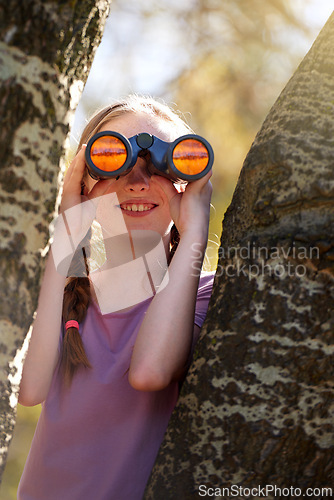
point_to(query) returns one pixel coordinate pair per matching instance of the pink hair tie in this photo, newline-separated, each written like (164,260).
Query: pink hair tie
(71,323)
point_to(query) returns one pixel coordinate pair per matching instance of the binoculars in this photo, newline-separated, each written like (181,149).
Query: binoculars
(110,154)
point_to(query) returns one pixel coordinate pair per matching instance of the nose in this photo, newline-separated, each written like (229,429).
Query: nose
(139,178)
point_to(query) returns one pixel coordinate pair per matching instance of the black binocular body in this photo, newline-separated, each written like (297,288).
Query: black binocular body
(110,154)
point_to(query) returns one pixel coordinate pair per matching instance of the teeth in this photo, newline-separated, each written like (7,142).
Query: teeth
(137,208)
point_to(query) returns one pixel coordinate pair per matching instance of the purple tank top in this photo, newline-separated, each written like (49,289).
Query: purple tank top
(99,438)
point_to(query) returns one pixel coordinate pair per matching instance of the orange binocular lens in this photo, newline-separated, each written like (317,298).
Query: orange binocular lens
(190,157)
(108,153)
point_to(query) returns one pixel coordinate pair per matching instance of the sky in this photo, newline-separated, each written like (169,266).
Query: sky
(148,59)
(317,12)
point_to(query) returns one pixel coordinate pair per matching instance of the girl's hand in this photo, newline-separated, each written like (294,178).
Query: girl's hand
(73,183)
(77,212)
(77,208)
(189,207)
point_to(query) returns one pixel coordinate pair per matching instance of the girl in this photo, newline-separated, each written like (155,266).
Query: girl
(109,382)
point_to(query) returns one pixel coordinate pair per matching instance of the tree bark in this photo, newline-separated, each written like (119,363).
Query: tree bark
(46,51)
(258,403)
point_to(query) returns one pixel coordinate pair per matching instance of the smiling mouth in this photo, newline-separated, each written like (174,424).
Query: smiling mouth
(140,207)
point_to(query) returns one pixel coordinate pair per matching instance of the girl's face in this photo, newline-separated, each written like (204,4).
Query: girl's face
(142,199)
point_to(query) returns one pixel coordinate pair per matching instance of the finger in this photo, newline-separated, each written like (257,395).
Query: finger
(200,185)
(78,168)
(100,188)
(68,171)
(69,180)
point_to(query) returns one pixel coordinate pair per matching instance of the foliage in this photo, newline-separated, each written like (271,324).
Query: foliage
(19,448)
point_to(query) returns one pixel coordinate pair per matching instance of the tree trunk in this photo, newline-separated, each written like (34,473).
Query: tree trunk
(46,51)
(257,407)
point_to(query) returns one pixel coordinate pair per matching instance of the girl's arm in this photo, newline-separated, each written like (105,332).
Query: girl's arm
(164,341)
(43,354)
(43,351)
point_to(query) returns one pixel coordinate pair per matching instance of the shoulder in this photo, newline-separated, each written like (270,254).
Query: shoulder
(206,280)
(203,298)
(205,285)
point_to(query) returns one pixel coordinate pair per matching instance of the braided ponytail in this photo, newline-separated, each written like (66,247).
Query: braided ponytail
(77,296)
(75,304)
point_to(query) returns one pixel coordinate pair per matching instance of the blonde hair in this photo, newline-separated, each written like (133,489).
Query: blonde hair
(77,293)
(136,104)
